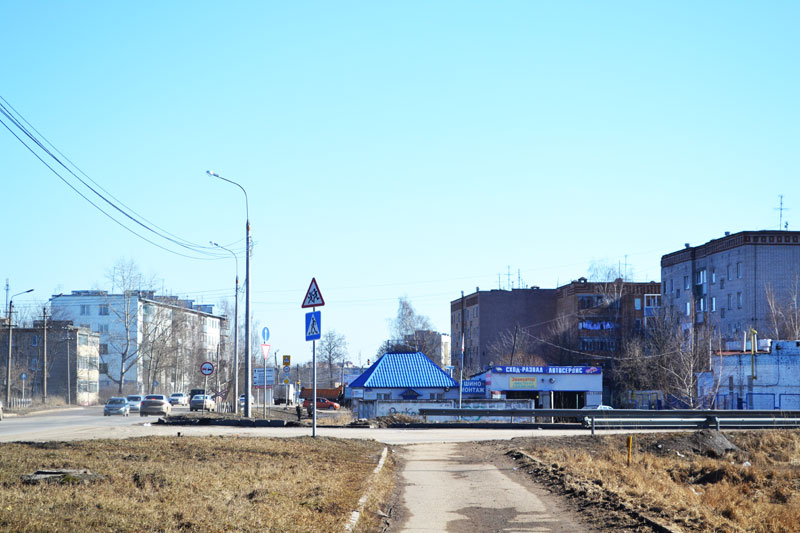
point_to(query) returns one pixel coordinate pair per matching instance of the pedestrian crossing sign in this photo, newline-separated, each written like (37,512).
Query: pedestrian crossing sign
(313,325)
(313,296)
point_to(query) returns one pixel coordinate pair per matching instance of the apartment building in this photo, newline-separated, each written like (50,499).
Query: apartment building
(148,343)
(484,318)
(725,283)
(73,362)
(599,314)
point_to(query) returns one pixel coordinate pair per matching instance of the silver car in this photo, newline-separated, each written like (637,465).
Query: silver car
(155,404)
(116,406)
(135,401)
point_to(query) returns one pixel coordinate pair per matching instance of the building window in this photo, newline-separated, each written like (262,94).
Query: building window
(671,286)
(713,276)
(104,349)
(83,385)
(83,363)
(678,293)
(739,270)
(437,396)
(93,386)
(688,308)
(739,300)
(730,273)
(94,362)
(722,313)
(104,368)
(384,396)
(85,310)
(686,283)
(637,303)
(713,304)
(699,277)
(730,300)
(83,339)
(103,309)
(102,328)
(34,341)
(721,283)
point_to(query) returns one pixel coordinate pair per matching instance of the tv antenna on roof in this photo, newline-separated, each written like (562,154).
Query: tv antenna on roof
(780,210)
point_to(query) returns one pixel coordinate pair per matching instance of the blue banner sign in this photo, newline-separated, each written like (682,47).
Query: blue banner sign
(547,369)
(473,386)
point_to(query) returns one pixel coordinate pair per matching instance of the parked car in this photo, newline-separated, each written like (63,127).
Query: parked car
(117,406)
(155,404)
(202,402)
(322,403)
(135,402)
(241,400)
(178,398)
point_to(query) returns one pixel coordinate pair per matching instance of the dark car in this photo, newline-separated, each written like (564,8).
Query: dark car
(195,392)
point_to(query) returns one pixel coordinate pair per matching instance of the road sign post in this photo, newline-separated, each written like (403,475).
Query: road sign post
(313,300)
(206,369)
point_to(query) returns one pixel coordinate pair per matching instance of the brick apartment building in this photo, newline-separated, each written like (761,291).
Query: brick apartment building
(587,318)
(73,362)
(724,283)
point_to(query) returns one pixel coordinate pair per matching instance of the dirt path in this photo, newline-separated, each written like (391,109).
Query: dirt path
(445,490)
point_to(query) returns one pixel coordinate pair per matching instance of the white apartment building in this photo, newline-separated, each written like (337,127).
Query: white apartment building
(148,343)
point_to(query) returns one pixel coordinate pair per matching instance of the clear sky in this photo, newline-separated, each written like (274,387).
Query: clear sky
(393,148)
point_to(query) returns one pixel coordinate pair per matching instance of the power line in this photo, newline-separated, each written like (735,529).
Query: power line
(209,252)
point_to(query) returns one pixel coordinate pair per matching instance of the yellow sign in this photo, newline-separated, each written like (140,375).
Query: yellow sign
(286,381)
(522,383)
(287,360)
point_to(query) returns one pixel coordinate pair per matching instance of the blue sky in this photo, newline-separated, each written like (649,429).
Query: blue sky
(393,149)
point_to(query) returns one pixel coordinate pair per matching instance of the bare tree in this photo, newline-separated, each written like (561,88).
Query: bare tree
(128,279)
(515,346)
(332,352)
(412,332)
(784,311)
(668,358)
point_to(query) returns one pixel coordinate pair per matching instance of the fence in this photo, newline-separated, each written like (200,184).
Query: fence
(641,418)
(19,403)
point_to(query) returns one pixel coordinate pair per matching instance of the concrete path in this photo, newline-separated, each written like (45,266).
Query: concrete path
(443,492)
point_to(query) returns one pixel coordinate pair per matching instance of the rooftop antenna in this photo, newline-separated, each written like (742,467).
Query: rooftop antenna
(509,276)
(499,286)
(519,279)
(7,287)
(780,210)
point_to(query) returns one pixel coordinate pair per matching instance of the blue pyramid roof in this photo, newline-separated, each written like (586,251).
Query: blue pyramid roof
(407,370)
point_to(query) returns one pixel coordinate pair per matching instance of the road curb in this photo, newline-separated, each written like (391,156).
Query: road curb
(355,515)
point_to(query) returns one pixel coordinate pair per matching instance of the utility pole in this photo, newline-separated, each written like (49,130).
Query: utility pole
(44,355)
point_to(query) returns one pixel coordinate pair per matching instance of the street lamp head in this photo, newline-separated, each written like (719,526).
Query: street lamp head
(212,173)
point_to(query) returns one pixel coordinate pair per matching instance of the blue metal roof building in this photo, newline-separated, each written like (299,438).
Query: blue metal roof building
(405,371)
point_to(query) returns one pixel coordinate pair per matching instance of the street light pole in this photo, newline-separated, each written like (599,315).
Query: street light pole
(8,361)
(248,378)
(44,348)
(235,333)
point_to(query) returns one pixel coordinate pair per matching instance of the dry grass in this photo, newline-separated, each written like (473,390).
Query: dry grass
(188,484)
(695,492)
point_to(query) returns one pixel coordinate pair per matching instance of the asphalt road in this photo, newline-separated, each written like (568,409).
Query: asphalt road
(89,423)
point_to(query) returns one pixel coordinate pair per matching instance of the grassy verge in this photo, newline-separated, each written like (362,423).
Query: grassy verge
(187,484)
(677,481)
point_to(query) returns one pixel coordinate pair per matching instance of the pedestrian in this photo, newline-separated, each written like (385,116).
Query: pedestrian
(299,412)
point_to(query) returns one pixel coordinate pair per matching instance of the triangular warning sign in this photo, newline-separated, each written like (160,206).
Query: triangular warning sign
(313,296)
(313,327)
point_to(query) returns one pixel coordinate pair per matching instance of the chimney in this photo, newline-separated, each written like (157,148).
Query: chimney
(686,244)
(727,233)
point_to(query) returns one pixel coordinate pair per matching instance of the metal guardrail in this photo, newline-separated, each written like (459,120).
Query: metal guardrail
(635,418)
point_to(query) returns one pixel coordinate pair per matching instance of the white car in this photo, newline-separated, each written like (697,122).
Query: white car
(178,398)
